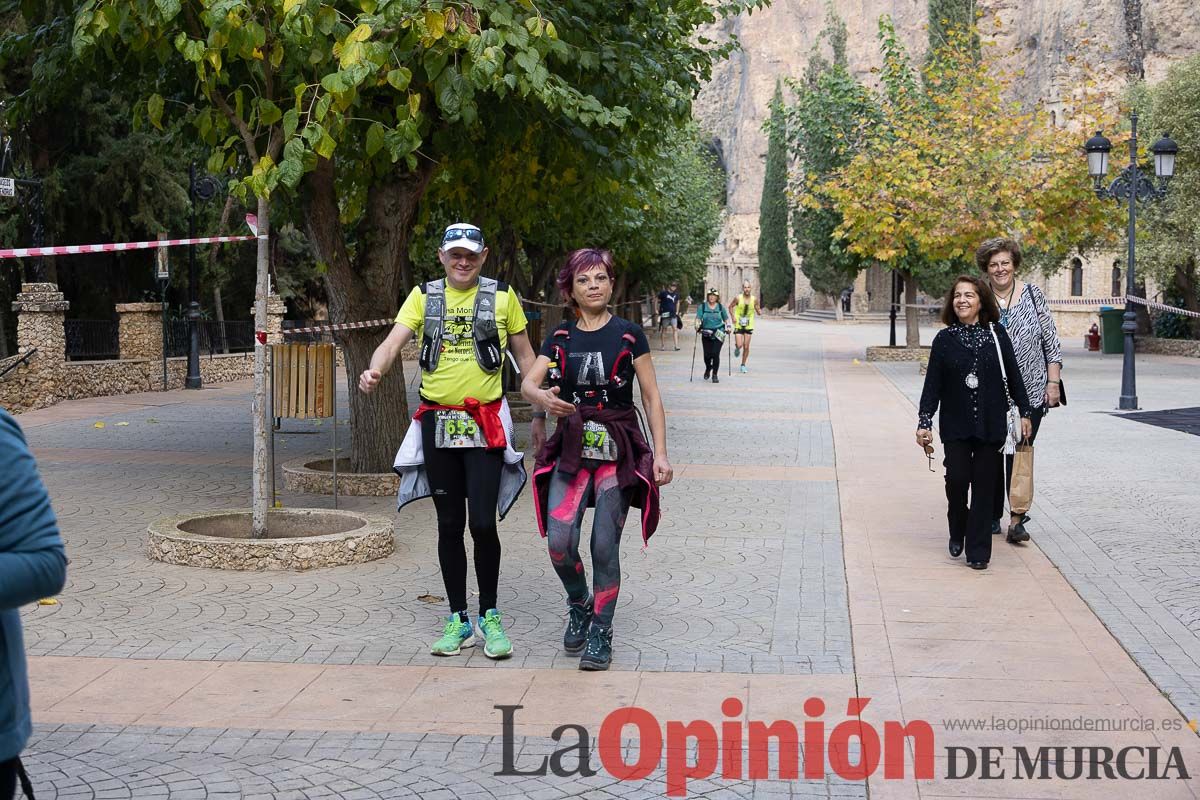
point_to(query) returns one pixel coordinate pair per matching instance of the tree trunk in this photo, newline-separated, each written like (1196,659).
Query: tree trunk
(1185,282)
(1144,326)
(4,301)
(219,308)
(259,476)
(369,287)
(912,319)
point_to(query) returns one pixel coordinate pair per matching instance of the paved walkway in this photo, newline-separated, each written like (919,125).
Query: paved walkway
(781,573)
(1117,511)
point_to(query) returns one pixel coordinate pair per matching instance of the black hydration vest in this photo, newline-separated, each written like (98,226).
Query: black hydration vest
(622,369)
(485,336)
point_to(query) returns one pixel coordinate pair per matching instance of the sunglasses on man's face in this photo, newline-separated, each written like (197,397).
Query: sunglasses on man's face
(463,233)
(929,455)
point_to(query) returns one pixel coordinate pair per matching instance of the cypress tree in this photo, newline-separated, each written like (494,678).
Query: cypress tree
(774,258)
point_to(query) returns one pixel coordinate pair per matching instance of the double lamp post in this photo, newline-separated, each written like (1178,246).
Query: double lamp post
(1131,186)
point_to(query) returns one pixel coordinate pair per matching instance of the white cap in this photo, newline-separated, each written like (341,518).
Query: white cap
(462,235)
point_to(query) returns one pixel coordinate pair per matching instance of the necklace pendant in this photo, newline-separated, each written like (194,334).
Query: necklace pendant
(972,381)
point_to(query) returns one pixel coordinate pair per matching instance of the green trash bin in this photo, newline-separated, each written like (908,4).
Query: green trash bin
(1112,338)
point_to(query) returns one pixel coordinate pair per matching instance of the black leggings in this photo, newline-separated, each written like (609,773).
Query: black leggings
(466,484)
(1004,479)
(712,353)
(972,466)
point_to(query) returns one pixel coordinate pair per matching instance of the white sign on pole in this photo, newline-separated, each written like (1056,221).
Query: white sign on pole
(8,187)
(162,267)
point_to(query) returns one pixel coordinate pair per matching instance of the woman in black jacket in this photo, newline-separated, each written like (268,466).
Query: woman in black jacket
(965,378)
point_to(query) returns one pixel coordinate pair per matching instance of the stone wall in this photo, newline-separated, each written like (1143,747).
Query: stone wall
(49,378)
(1073,324)
(141,330)
(104,378)
(1167,347)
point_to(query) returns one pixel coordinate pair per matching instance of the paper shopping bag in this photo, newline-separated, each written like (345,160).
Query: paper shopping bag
(1020,496)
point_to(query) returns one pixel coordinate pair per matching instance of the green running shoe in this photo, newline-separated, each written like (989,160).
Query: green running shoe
(457,634)
(495,640)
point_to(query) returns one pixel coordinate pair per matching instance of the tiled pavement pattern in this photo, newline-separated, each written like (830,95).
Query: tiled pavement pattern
(98,761)
(1116,507)
(773,541)
(744,576)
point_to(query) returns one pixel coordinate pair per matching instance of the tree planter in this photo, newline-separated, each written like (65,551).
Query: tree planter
(297,539)
(310,475)
(885,353)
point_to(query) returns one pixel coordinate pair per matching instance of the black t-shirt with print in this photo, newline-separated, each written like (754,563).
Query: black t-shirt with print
(668,302)
(590,359)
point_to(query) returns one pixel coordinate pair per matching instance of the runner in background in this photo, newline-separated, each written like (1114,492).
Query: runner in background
(668,316)
(744,309)
(712,325)
(598,455)
(459,448)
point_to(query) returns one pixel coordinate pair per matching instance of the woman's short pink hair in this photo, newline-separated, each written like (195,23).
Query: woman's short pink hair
(581,261)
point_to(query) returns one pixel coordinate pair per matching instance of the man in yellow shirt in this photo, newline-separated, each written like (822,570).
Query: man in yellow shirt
(459,449)
(744,307)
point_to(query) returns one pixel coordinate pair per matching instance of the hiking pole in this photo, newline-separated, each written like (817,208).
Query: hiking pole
(692,371)
(730,355)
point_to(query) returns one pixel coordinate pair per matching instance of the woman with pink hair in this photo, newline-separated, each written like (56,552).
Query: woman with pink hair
(598,456)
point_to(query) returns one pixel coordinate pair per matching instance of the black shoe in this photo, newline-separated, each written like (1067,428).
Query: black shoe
(715,378)
(579,619)
(597,655)
(977,564)
(707,373)
(1017,534)
(956,549)
(995,527)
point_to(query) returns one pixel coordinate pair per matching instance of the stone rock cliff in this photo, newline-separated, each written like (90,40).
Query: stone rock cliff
(1054,42)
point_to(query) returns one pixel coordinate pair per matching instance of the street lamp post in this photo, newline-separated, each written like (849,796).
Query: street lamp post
(203,188)
(892,312)
(1131,186)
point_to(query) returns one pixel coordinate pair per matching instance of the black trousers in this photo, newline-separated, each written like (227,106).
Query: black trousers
(12,773)
(466,484)
(972,467)
(1004,479)
(712,353)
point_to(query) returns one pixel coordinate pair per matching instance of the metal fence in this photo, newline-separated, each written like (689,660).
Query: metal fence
(91,339)
(215,337)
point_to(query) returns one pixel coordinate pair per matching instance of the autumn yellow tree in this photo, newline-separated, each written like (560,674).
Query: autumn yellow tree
(955,160)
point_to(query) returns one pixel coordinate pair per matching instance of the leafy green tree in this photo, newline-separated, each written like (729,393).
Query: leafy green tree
(827,125)
(1168,243)
(955,162)
(774,257)
(355,105)
(947,17)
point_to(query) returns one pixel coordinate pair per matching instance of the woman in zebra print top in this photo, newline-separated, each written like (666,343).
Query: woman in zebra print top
(1026,316)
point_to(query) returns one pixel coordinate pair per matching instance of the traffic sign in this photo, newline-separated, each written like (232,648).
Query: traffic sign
(8,187)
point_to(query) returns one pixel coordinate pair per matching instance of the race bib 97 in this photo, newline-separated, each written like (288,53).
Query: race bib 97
(743,321)
(598,443)
(456,429)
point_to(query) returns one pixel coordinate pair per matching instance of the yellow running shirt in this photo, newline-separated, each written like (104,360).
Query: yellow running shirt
(743,309)
(458,375)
